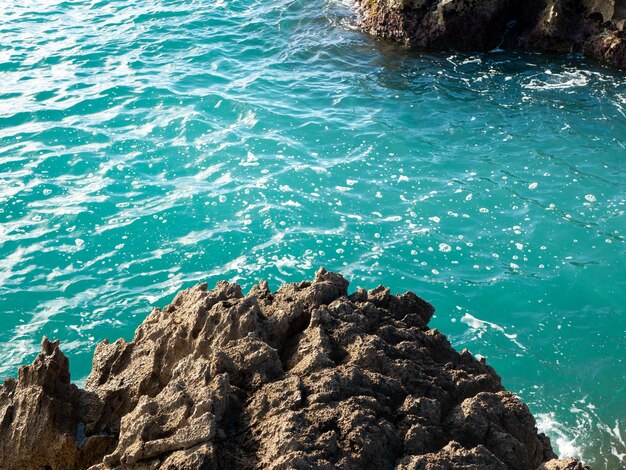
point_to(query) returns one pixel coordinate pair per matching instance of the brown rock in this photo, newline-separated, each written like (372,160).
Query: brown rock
(562,464)
(39,417)
(454,455)
(306,377)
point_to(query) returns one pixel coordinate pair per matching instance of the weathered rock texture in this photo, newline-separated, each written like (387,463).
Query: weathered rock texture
(303,378)
(594,27)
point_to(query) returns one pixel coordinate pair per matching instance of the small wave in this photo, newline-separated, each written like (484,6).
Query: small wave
(580,439)
(481,326)
(557,81)
(565,440)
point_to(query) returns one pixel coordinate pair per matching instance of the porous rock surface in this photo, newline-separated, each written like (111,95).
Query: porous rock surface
(303,378)
(593,27)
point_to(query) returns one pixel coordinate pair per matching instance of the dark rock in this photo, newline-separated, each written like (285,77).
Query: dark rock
(593,27)
(305,377)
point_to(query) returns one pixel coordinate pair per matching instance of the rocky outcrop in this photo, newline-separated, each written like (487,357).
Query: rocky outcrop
(593,27)
(305,377)
(40,423)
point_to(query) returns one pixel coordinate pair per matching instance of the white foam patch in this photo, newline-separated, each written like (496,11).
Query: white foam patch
(577,439)
(291,203)
(558,81)
(482,326)
(562,438)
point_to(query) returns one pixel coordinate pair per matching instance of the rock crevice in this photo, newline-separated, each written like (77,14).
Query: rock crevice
(305,377)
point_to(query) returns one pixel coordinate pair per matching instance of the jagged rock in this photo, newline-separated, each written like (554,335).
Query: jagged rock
(562,464)
(305,377)
(40,417)
(454,455)
(594,27)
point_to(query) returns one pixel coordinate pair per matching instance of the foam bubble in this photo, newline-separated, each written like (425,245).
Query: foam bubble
(445,248)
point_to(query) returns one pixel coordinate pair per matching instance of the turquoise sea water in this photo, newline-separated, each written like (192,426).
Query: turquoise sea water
(146,146)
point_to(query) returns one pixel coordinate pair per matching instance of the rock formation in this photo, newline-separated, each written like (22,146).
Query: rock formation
(593,27)
(307,377)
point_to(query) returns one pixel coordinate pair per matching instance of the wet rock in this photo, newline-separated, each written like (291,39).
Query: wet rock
(593,27)
(305,377)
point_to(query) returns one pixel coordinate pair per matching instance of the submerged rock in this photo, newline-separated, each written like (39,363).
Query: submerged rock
(305,377)
(593,27)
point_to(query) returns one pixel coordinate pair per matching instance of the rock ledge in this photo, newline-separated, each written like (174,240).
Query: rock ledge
(305,377)
(593,27)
